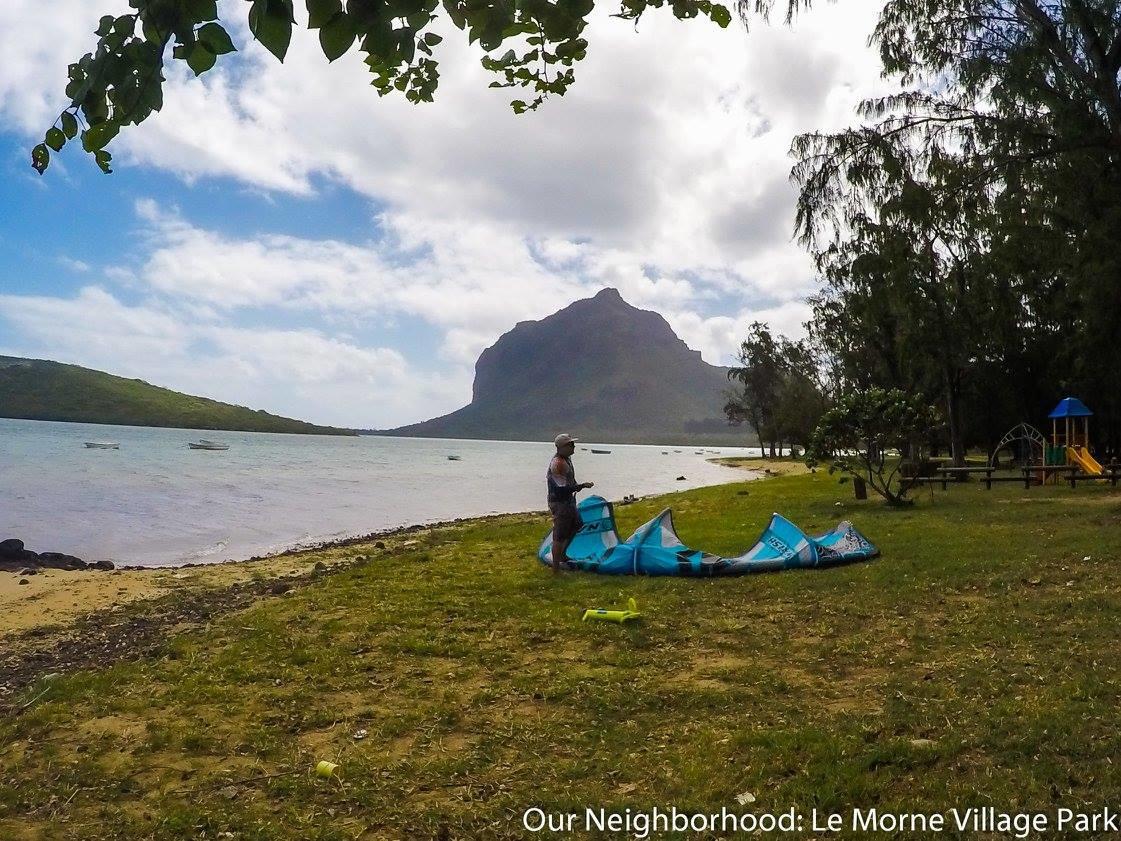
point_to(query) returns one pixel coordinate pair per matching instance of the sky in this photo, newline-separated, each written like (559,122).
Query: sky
(281,237)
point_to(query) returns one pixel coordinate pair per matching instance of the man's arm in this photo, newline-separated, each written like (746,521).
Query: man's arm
(560,478)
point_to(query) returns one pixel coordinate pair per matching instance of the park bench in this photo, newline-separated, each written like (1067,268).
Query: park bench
(1050,469)
(909,482)
(960,474)
(1110,476)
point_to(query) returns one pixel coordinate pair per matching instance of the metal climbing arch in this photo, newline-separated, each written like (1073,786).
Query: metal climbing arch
(1027,433)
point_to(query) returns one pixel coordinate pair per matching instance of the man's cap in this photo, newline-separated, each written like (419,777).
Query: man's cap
(564,438)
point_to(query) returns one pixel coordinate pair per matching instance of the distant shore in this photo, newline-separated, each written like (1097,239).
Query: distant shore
(304,429)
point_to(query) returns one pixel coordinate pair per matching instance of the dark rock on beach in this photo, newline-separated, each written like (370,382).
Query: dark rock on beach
(10,548)
(15,557)
(57,560)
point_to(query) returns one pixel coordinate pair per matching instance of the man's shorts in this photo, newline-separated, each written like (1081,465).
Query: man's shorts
(566,522)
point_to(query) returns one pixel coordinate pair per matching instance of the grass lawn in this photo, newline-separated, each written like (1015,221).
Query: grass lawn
(976,663)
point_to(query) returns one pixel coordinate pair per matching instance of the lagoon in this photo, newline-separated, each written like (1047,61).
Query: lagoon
(154,502)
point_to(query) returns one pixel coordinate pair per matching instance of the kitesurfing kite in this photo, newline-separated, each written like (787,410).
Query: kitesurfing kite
(655,549)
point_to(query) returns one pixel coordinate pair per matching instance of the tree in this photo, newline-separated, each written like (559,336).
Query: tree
(1011,121)
(779,395)
(862,434)
(120,83)
(906,263)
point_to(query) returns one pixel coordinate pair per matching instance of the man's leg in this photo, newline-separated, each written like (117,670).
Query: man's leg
(559,548)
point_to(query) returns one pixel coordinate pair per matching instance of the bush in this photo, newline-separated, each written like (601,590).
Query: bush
(862,433)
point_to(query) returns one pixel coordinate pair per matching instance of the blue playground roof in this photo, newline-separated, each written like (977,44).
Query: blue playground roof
(1070,407)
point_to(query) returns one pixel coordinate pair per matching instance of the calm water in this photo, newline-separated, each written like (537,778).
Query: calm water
(156,502)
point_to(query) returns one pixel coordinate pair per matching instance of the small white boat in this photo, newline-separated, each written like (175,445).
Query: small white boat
(102,445)
(203,444)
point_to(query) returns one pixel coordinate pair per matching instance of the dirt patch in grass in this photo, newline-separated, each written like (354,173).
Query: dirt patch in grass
(124,633)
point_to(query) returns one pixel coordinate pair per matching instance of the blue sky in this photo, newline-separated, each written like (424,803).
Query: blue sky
(281,237)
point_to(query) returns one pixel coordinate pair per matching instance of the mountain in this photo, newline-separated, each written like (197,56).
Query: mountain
(37,389)
(600,369)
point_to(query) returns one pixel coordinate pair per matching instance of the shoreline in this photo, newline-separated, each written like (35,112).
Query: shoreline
(61,621)
(52,601)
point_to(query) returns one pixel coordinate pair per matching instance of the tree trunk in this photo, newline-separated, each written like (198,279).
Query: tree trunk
(953,411)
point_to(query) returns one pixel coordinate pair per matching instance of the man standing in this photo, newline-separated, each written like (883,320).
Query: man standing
(562,497)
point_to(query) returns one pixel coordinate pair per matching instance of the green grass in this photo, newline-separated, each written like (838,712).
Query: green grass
(35,389)
(977,662)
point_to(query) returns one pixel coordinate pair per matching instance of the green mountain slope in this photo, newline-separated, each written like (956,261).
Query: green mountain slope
(37,389)
(601,369)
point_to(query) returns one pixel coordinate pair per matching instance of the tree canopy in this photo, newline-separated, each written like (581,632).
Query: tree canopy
(530,45)
(963,230)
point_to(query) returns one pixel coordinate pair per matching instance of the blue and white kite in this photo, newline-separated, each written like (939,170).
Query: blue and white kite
(655,548)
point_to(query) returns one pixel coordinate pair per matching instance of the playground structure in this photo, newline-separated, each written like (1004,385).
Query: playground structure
(1066,456)
(1069,445)
(1026,443)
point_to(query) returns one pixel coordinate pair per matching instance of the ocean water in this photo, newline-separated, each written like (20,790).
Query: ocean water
(155,502)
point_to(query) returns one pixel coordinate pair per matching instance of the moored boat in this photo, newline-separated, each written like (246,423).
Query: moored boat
(601,452)
(203,444)
(102,445)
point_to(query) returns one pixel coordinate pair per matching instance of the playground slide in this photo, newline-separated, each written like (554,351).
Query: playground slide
(1083,459)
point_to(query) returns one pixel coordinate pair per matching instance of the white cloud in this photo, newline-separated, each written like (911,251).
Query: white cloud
(299,373)
(663,173)
(719,337)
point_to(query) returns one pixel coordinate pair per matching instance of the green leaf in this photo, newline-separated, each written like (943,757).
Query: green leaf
(320,12)
(201,10)
(105,26)
(216,39)
(125,25)
(270,21)
(102,159)
(69,125)
(55,138)
(720,16)
(337,36)
(40,158)
(432,39)
(151,95)
(95,137)
(201,58)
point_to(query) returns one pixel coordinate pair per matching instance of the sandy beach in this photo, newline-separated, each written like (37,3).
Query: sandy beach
(54,599)
(51,600)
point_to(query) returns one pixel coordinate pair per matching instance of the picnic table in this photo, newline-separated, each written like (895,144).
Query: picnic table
(945,474)
(1027,476)
(962,473)
(1111,476)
